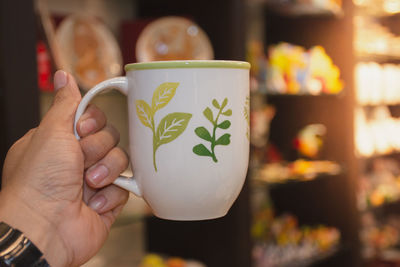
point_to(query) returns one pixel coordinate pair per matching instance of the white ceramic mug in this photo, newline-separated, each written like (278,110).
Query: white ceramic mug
(188,134)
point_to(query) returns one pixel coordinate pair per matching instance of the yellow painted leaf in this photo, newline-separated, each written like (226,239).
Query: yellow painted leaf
(144,112)
(162,95)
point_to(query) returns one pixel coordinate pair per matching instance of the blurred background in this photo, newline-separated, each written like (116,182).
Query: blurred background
(323,186)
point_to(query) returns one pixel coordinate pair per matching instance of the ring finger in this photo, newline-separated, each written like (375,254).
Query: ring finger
(107,169)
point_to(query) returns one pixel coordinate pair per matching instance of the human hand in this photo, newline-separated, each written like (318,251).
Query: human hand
(57,190)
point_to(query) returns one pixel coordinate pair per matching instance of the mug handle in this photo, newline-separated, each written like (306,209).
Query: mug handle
(121,84)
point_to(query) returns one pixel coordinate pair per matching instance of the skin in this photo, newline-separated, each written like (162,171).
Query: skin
(57,190)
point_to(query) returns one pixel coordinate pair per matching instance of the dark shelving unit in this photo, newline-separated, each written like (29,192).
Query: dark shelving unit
(19,93)
(330,201)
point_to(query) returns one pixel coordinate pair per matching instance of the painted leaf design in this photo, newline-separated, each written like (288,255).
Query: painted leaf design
(215,104)
(203,133)
(246,115)
(208,114)
(171,126)
(162,95)
(144,112)
(228,112)
(201,150)
(224,125)
(224,103)
(224,140)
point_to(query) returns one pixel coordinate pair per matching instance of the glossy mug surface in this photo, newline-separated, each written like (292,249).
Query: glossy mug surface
(188,133)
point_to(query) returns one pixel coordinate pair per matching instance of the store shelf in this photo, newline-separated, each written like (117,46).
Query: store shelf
(370,105)
(268,93)
(371,12)
(302,95)
(294,181)
(302,10)
(376,156)
(320,258)
(299,171)
(379,58)
(385,208)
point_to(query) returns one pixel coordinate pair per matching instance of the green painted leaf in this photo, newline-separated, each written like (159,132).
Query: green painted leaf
(215,104)
(144,112)
(224,103)
(162,95)
(209,115)
(228,112)
(246,115)
(201,150)
(203,133)
(224,125)
(171,126)
(224,140)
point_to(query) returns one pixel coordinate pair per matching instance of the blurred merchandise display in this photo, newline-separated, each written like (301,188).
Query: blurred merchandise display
(47,53)
(155,260)
(376,131)
(293,70)
(298,170)
(258,66)
(374,39)
(44,67)
(260,119)
(381,184)
(309,140)
(378,236)
(378,7)
(173,38)
(377,83)
(89,50)
(272,168)
(290,69)
(280,241)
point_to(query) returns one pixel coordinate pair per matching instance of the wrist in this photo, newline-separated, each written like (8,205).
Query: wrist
(17,250)
(35,227)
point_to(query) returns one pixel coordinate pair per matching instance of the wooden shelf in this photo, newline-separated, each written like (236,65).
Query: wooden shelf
(304,10)
(294,181)
(379,58)
(385,208)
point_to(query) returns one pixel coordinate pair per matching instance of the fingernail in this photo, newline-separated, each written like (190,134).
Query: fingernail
(97,203)
(87,126)
(60,79)
(97,174)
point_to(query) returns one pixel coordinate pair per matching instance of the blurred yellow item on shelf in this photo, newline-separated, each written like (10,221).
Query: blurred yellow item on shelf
(155,260)
(152,260)
(175,262)
(309,140)
(377,198)
(286,60)
(294,70)
(323,70)
(301,167)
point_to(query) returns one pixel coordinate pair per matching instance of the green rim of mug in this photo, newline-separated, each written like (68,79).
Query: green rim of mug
(183,64)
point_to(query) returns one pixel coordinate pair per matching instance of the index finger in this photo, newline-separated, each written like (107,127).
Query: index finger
(91,121)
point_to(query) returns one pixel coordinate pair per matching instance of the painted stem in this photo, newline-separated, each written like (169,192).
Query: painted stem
(154,144)
(213,136)
(154,155)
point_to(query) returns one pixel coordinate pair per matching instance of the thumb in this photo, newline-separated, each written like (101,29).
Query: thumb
(62,112)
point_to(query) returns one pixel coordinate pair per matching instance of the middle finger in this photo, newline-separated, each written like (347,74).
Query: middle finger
(97,145)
